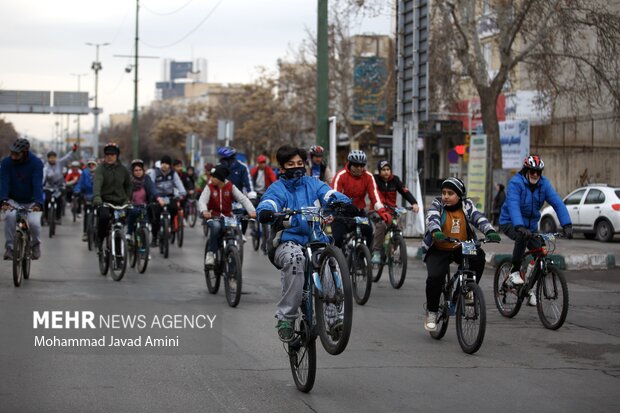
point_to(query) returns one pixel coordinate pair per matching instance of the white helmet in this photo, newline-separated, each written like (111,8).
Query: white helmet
(358,157)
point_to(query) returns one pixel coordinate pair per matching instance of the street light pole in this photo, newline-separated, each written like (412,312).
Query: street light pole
(96,66)
(134,121)
(322,76)
(79,76)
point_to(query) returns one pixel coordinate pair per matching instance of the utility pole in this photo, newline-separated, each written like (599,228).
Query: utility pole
(79,76)
(96,66)
(322,76)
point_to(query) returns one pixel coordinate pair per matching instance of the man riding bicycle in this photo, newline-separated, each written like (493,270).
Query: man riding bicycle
(21,177)
(84,189)
(166,181)
(356,182)
(317,168)
(239,174)
(54,179)
(71,180)
(388,184)
(216,200)
(294,191)
(527,192)
(262,176)
(112,185)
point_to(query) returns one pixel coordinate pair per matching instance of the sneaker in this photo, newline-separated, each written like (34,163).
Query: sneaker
(515,278)
(376,257)
(84,237)
(469,298)
(285,330)
(8,254)
(79,216)
(210,259)
(532,299)
(36,251)
(431,321)
(244,238)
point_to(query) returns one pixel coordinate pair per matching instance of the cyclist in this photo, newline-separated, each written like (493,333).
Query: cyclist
(317,168)
(388,184)
(84,188)
(527,192)
(167,181)
(186,180)
(54,179)
(205,178)
(71,180)
(293,191)
(455,216)
(21,175)
(111,184)
(262,176)
(143,192)
(239,175)
(215,201)
(356,182)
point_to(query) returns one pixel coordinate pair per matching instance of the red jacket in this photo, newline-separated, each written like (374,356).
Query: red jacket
(221,200)
(270,176)
(357,187)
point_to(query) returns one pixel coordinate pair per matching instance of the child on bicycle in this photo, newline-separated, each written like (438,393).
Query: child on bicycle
(143,192)
(293,191)
(455,216)
(215,201)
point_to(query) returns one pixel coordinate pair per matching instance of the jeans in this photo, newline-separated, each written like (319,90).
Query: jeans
(34,224)
(216,228)
(520,243)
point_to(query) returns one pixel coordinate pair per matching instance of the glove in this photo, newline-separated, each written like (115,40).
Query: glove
(568,231)
(386,216)
(438,235)
(265,216)
(345,209)
(493,236)
(74,148)
(525,232)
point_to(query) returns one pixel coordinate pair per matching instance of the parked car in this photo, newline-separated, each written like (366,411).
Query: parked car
(594,210)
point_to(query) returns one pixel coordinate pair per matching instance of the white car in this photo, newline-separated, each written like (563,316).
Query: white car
(594,210)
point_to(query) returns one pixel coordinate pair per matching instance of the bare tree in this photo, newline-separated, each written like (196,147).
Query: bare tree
(8,134)
(570,50)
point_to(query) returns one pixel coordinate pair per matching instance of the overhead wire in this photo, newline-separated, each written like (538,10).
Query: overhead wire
(167,13)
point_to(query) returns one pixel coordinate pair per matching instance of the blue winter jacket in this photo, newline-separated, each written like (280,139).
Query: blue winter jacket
(22,182)
(239,175)
(85,185)
(522,206)
(287,194)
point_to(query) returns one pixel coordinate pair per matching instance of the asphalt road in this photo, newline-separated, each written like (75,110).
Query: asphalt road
(390,365)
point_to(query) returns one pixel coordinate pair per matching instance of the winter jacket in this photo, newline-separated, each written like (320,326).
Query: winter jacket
(53,178)
(22,182)
(166,184)
(387,190)
(522,206)
(436,216)
(356,187)
(324,173)
(150,188)
(294,194)
(111,184)
(85,185)
(240,176)
(219,201)
(270,176)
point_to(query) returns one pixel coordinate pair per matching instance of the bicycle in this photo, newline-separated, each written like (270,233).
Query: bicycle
(462,296)
(358,258)
(113,252)
(52,206)
(260,235)
(164,228)
(139,247)
(178,224)
(394,253)
(191,211)
(551,288)
(89,216)
(74,203)
(326,291)
(227,262)
(22,254)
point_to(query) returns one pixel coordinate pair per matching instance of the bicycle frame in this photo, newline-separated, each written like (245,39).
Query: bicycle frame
(541,258)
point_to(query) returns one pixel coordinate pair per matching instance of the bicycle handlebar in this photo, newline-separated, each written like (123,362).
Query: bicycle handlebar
(118,208)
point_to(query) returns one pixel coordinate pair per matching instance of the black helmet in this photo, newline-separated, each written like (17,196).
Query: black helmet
(20,145)
(111,148)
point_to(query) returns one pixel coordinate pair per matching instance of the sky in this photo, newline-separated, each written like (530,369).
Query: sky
(43,45)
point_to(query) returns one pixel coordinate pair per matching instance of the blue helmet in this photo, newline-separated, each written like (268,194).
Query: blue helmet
(226,152)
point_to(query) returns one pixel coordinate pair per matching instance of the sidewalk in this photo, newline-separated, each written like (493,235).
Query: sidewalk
(575,254)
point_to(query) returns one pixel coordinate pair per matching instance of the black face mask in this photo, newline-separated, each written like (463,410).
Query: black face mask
(295,173)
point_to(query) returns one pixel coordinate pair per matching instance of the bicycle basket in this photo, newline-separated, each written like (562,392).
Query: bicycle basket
(469,248)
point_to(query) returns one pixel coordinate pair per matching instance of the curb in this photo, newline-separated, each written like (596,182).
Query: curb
(569,262)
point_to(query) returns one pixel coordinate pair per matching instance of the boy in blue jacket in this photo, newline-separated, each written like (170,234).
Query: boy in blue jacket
(293,191)
(527,192)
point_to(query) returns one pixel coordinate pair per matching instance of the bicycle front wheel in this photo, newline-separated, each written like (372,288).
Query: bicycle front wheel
(397,262)
(141,249)
(18,255)
(471,318)
(361,274)
(506,295)
(164,244)
(255,231)
(192,214)
(90,232)
(180,230)
(552,298)
(443,317)
(232,275)
(51,221)
(333,301)
(212,277)
(302,357)
(103,256)
(118,255)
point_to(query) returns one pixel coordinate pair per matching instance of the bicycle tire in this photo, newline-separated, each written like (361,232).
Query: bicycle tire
(212,277)
(336,339)
(132,250)
(142,248)
(192,215)
(165,237)
(302,357)
(103,255)
(90,238)
(74,210)
(547,291)
(18,255)
(27,258)
(379,271)
(471,318)
(180,229)
(361,274)
(232,275)
(256,235)
(397,263)
(443,317)
(507,298)
(118,258)
(51,220)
